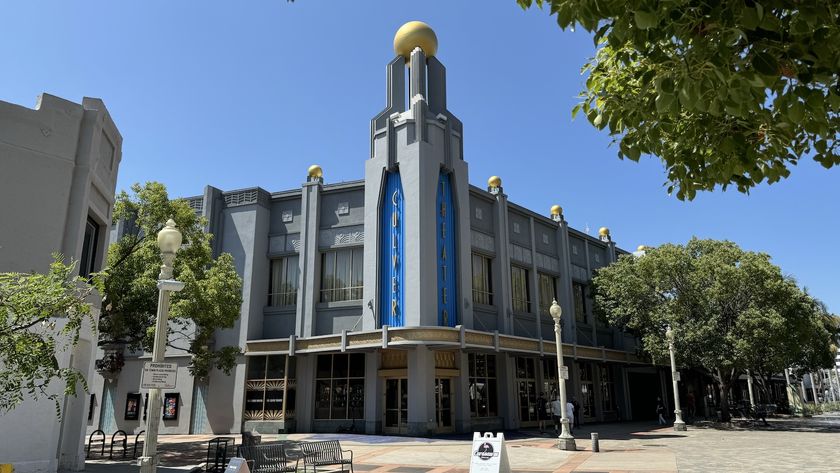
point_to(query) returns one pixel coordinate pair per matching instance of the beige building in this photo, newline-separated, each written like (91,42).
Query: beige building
(58,172)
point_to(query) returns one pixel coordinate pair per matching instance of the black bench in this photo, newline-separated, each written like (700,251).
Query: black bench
(268,458)
(324,453)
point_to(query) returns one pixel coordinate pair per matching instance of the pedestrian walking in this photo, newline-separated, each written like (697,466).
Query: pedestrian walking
(690,402)
(557,413)
(577,412)
(543,409)
(570,413)
(660,411)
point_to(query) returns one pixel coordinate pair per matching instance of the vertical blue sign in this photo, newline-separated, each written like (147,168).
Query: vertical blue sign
(392,254)
(446,257)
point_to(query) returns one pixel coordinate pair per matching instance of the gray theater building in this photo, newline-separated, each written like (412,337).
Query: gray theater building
(409,302)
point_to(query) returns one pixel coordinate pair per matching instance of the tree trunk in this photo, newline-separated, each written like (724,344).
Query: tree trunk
(724,402)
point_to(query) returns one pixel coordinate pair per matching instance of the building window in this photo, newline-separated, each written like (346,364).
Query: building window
(587,390)
(283,281)
(607,389)
(482,387)
(578,294)
(519,289)
(340,386)
(342,275)
(270,388)
(90,245)
(482,282)
(548,291)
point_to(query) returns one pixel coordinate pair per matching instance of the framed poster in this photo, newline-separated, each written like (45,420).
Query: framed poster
(132,406)
(170,406)
(92,405)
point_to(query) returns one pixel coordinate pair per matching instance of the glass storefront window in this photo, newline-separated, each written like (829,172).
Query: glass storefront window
(587,390)
(270,381)
(340,386)
(482,385)
(607,389)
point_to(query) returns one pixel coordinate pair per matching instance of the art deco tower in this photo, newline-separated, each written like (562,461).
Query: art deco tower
(417,269)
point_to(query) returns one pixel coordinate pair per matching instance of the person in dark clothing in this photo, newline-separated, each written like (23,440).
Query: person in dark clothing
(543,410)
(660,411)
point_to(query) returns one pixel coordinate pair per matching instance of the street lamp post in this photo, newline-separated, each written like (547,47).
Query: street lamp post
(168,240)
(679,424)
(566,441)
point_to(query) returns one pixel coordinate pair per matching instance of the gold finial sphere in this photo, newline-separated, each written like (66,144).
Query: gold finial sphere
(494,181)
(641,248)
(604,231)
(556,210)
(415,34)
(315,171)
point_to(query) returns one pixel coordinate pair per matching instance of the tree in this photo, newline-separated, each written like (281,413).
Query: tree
(42,315)
(725,305)
(724,93)
(212,294)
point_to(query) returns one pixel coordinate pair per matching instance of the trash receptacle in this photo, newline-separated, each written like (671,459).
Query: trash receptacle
(249,439)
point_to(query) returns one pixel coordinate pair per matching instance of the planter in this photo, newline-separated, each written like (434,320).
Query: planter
(112,361)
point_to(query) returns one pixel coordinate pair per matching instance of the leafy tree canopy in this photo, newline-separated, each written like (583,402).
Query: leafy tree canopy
(729,310)
(726,93)
(41,315)
(212,295)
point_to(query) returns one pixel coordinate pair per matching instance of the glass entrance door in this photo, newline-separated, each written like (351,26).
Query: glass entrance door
(443,404)
(396,406)
(526,384)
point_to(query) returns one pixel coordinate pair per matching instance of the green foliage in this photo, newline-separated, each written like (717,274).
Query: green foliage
(728,93)
(42,316)
(212,294)
(730,310)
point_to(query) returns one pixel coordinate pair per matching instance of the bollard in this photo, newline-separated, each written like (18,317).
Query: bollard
(595,447)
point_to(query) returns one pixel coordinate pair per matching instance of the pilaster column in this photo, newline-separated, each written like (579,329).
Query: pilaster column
(309,261)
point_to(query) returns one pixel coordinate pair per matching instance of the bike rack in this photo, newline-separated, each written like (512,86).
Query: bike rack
(137,442)
(124,444)
(102,441)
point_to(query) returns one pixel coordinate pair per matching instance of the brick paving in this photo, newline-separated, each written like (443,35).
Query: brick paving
(786,445)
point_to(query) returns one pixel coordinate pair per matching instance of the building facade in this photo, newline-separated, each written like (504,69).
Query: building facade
(409,302)
(58,173)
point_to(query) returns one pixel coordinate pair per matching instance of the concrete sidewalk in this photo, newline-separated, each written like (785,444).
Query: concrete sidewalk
(785,445)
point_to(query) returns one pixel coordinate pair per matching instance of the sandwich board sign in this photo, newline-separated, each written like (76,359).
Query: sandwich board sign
(237,465)
(489,454)
(159,375)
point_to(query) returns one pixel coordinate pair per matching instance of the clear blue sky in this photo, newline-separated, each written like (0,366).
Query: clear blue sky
(241,94)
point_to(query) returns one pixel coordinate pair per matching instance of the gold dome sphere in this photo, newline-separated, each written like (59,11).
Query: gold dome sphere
(494,181)
(604,231)
(556,210)
(412,35)
(315,171)
(641,248)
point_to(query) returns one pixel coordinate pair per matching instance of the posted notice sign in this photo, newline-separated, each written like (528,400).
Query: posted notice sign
(564,372)
(489,454)
(159,375)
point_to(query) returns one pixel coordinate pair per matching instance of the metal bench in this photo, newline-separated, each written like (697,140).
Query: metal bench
(268,458)
(324,453)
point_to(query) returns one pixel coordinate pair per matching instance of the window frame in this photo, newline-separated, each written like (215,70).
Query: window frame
(519,286)
(490,382)
(545,304)
(90,246)
(579,301)
(483,295)
(354,272)
(285,383)
(352,404)
(290,297)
